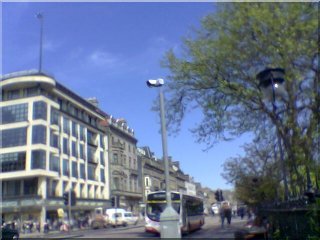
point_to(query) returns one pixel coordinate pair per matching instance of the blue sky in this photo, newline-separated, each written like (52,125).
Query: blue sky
(109,51)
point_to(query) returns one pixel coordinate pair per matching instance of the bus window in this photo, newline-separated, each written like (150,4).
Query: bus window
(155,209)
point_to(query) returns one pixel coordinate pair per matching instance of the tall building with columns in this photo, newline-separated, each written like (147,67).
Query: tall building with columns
(51,141)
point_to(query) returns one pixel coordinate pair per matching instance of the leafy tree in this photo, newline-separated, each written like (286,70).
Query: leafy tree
(216,72)
(256,175)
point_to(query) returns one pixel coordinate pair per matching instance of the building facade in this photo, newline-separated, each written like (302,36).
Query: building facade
(124,166)
(153,174)
(51,142)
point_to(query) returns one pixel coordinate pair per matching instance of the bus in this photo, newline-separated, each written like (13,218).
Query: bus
(189,209)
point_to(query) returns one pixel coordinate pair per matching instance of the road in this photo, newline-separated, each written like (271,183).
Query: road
(210,230)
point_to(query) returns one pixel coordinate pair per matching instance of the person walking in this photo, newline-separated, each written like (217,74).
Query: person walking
(228,214)
(225,213)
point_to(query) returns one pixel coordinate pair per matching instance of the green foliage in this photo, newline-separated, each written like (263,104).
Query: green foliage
(216,72)
(314,215)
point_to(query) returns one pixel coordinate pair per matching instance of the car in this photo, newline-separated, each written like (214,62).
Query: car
(100,221)
(215,208)
(116,217)
(130,218)
(9,233)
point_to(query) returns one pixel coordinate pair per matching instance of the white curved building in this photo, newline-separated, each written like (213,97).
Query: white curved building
(51,141)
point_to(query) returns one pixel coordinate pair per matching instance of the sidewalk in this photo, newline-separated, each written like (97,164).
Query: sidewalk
(75,232)
(54,234)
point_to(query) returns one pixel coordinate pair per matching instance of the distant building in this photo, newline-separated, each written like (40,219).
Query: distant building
(52,141)
(124,171)
(153,173)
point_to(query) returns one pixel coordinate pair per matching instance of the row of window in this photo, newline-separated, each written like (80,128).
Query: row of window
(29,187)
(26,92)
(91,137)
(131,148)
(120,183)
(88,191)
(18,137)
(64,105)
(132,164)
(19,112)
(20,187)
(17,161)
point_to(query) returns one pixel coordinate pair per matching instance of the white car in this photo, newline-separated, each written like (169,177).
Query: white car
(215,208)
(130,218)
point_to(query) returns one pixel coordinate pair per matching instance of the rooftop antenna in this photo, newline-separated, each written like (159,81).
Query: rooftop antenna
(40,17)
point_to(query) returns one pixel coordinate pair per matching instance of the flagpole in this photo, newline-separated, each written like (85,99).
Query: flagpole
(40,17)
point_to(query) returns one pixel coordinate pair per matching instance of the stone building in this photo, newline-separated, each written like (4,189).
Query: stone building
(124,171)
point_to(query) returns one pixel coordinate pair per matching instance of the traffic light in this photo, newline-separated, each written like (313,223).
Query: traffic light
(219,196)
(66,198)
(113,202)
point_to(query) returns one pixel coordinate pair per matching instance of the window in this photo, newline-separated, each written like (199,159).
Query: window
(13,161)
(124,160)
(66,168)
(74,129)
(82,171)
(91,171)
(54,140)
(74,169)
(54,164)
(66,127)
(52,188)
(65,146)
(74,149)
(32,91)
(91,137)
(14,113)
(102,176)
(38,159)
(116,183)
(102,162)
(147,181)
(115,158)
(101,141)
(11,188)
(39,134)
(13,94)
(54,116)
(14,137)
(81,133)
(30,186)
(81,151)
(91,153)
(40,110)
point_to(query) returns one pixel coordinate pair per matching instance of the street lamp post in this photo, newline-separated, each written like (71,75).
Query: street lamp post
(169,218)
(274,77)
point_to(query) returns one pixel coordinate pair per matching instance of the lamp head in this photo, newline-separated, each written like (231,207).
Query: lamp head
(155,82)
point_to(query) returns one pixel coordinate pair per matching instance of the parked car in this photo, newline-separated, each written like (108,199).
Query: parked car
(9,233)
(116,217)
(100,221)
(130,218)
(215,208)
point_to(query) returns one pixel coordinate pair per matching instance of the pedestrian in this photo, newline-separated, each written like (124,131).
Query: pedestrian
(228,214)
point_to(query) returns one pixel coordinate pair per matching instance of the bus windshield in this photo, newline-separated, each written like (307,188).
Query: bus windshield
(155,209)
